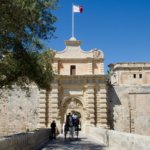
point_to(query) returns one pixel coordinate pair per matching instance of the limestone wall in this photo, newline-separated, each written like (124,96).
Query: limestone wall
(119,140)
(19,109)
(85,62)
(25,141)
(129,109)
(125,141)
(83,67)
(130,73)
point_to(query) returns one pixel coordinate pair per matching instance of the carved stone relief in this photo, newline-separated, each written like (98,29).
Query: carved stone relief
(96,53)
(73,103)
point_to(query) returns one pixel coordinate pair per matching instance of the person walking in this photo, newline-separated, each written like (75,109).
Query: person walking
(69,123)
(76,123)
(53,129)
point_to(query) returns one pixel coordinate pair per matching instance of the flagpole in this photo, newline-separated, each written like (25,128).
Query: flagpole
(72,21)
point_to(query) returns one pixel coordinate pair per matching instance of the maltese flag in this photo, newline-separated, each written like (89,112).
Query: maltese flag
(77,8)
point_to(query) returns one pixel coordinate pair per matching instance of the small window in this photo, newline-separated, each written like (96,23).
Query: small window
(134,75)
(72,70)
(140,75)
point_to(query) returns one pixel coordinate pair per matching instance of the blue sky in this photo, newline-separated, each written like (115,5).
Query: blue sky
(120,28)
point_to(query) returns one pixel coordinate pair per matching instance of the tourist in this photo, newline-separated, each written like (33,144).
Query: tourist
(76,123)
(74,116)
(53,129)
(65,128)
(69,123)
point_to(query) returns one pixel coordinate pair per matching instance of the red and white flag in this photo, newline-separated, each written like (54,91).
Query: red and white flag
(77,8)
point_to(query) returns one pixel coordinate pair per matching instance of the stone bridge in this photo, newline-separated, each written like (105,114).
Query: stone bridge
(83,142)
(96,139)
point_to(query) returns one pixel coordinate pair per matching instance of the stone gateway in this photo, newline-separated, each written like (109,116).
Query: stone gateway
(119,100)
(79,85)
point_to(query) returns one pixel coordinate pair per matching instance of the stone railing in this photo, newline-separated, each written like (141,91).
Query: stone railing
(25,141)
(119,140)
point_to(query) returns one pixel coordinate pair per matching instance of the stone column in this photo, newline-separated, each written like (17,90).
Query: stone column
(101,103)
(98,98)
(53,111)
(42,109)
(90,104)
(102,68)
(90,67)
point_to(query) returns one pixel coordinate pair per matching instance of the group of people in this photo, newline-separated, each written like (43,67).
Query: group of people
(71,126)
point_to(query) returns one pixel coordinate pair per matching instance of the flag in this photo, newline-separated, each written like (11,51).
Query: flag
(77,8)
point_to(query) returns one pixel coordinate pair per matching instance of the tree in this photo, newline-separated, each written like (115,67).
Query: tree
(23,23)
(34,67)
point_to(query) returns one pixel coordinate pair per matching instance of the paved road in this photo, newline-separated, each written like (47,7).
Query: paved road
(82,143)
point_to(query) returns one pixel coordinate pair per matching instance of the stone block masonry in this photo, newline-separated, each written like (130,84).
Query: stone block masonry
(129,107)
(25,141)
(19,109)
(119,140)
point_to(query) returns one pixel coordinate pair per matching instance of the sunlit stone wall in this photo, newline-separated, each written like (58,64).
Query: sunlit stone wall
(19,109)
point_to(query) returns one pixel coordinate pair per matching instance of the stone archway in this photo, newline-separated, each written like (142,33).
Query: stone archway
(71,104)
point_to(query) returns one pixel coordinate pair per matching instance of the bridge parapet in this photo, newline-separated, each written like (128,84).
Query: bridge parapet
(119,140)
(23,141)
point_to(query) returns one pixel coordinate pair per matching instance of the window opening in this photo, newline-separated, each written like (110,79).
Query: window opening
(140,75)
(72,70)
(134,75)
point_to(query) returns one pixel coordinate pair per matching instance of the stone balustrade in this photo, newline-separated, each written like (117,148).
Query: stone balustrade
(25,141)
(119,140)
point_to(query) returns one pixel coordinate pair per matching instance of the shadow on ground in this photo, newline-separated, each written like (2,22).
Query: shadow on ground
(81,143)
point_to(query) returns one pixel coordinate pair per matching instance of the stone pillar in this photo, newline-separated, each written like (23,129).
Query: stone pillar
(53,111)
(101,103)
(90,67)
(98,115)
(90,104)
(42,109)
(102,68)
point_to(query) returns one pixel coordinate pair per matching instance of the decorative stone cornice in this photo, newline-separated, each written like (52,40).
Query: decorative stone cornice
(100,76)
(72,42)
(74,51)
(130,66)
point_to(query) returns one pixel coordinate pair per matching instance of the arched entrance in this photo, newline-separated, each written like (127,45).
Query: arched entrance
(71,105)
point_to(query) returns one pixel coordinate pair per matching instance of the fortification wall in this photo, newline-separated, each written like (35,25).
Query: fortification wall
(129,108)
(119,140)
(25,141)
(19,109)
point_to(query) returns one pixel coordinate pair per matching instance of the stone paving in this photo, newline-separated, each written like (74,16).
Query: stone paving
(82,143)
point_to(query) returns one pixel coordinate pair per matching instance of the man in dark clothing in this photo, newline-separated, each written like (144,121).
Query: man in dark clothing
(53,129)
(67,119)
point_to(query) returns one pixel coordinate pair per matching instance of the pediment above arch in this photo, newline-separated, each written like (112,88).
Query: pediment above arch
(78,53)
(74,51)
